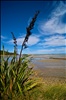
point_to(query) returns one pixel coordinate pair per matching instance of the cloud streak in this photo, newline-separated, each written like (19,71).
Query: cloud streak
(54,41)
(52,51)
(55,24)
(52,44)
(32,41)
(2,37)
(47,51)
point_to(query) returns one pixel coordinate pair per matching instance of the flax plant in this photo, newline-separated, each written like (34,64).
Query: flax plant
(28,29)
(16,76)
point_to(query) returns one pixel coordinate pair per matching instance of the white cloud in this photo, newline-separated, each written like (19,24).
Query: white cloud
(31,41)
(2,37)
(61,50)
(54,41)
(54,24)
(54,51)
(46,51)
(60,10)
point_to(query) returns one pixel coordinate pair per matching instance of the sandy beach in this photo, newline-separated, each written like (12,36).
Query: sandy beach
(46,67)
(51,72)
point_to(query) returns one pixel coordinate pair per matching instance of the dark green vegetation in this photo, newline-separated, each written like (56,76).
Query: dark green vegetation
(58,58)
(6,53)
(10,53)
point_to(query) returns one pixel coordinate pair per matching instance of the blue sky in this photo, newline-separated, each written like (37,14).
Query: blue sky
(49,33)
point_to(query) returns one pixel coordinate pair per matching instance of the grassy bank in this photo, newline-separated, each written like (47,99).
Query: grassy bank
(48,89)
(49,92)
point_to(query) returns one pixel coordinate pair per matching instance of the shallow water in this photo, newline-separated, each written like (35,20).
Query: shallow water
(56,64)
(45,61)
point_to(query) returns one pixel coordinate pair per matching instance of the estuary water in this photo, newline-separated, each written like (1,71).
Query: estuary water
(48,61)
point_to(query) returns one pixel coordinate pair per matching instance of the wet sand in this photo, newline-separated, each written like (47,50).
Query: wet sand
(46,67)
(49,63)
(51,72)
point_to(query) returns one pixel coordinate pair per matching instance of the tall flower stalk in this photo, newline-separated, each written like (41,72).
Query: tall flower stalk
(15,45)
(28,29)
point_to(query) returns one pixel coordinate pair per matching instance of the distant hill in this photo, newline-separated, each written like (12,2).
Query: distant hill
(6,53)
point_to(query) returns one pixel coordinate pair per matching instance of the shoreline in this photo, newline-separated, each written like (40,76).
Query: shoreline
(49,75)
(51,72)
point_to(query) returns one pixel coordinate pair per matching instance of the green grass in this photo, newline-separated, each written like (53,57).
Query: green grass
(47,92)
(54,91)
